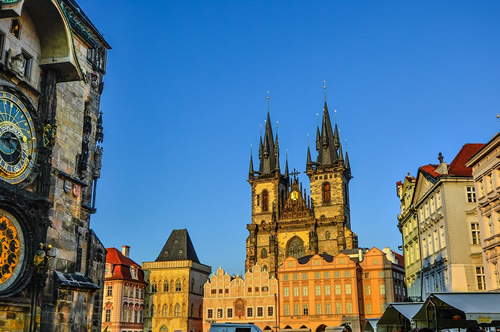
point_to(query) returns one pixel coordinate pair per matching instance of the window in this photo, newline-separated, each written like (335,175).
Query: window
(382,289)
(368,290)
(436,240)
(265,200)
(348,308)
(337,274)
(326,275)
(367,275)
(441,235)
(285,277)
(305,309)
(327,289)
(491,226)
(178,286)
(28,63)
(471,194)
(328,308)
(438,199)
(296,291)
(476,239)
(15,28)
(165,286)
(249,312)
(210,313)
(347,273)
(286,291)
(177,310)
(260,311)
(164,310)
(136,316)
(295,276)
(264,253)
(229,312)
(153,287)
(317,275)
(338,308)
(304,276)
(108,315)
(270,311)
(317,290)
(110,290)
(338,289)
(326,193)
(348,288)
(305,291)
(296,310)
(286,308)
(481,282)
(220,312)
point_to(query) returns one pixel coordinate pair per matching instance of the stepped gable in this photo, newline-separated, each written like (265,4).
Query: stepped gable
(178,248)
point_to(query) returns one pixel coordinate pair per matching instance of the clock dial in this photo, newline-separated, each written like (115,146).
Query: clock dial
(11,250)
(17,140)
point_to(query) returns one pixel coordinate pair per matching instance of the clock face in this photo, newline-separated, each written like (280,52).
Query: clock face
(11,250)
(17,140)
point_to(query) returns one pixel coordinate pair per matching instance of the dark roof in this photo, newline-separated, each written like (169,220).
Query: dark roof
(178,248)
(75,280)
(305,259)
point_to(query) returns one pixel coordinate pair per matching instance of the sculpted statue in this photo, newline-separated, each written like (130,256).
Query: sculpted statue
(17,64)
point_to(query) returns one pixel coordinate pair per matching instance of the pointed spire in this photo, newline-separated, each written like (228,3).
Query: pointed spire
(277,150)
(250,171)
(286,165)
(327,152)
(309,161)
(347,164)
(318,139)
(336,136)
(267,153)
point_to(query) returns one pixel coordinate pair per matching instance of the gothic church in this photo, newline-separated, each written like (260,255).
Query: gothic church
(285,220)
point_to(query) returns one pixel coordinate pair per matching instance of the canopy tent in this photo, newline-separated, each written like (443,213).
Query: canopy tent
(371,324)
(458,310)
(400,315)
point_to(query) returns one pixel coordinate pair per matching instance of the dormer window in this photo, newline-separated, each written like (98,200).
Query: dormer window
(15,28)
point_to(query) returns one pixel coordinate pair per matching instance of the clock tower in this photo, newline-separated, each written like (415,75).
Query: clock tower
(285,220)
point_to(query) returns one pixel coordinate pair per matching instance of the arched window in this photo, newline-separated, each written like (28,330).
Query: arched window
(152,310)
(264,253)
(164,311)
(264,268)
(178,286)
(327,235)
(191,312)
(265,200)
(200,311)
(177,310)
(295,247)
(191,289)
(326,193)
(165,286)
(153,287)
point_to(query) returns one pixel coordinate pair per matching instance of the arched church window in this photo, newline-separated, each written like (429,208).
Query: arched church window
(164,311)
(165,286)
(177,310)
(178,286)
(265,200)
(264,253)
(295,247)
(153,287)
(326,193)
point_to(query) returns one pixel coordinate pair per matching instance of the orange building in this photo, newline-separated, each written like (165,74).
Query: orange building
(123,300)
(233,299)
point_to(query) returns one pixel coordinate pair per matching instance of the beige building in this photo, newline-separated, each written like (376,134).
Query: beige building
(285,221)
(124,287)
(174,297)
(233,299)
(445,203)
(408,226)
(486,172)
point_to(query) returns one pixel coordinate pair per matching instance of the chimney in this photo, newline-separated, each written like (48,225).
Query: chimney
(125,250)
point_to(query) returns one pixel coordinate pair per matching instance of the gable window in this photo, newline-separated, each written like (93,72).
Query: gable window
(265,200)
(326,193)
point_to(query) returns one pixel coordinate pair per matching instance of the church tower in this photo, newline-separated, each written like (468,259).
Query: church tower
(285,221)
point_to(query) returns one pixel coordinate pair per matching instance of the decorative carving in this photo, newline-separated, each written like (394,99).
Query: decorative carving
(96,171)
(93,78)
(42,258)
(99,134)
(49,135)
(17,64)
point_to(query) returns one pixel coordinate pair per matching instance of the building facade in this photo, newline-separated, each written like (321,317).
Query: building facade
(486,172)
(124,288)
(445,204)
(285,221)
(408,226)
(233,299)
(52,62)
(174,297)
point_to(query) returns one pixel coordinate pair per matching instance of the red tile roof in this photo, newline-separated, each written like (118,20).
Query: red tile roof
(457,166)
(429,169)
(121,266)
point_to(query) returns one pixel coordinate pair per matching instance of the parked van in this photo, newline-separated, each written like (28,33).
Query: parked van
(231,327)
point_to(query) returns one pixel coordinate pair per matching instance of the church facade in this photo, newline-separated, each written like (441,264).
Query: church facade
(52,60)
(285,221)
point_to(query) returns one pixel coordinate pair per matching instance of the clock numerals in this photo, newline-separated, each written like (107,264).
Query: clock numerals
(17,140)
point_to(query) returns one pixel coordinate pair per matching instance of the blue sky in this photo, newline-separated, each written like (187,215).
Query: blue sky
(185,95)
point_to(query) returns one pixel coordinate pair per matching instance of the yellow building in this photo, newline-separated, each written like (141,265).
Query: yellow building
(174,297)
(232,299)
(486,172)
(285,221)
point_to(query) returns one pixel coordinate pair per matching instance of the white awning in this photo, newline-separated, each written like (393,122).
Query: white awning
(371,324)
(392,315)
